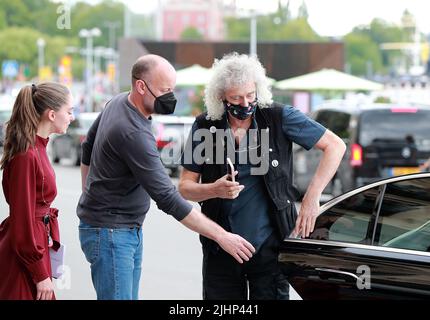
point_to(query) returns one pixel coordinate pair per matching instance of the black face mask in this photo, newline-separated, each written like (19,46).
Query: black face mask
(240,112)
(164,104)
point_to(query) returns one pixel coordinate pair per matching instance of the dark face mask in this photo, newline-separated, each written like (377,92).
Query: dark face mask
(240,112)
(164,104)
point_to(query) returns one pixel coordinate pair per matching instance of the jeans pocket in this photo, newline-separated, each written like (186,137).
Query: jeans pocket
(90,243)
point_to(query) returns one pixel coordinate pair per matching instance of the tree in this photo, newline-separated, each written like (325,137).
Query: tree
(3,23)
(293,30)
(238,29)
(191,33)
(361,51)
(21,44)
(268,29)
(283,12)
(380,32)
(303,11)
(86,16)
(15,12)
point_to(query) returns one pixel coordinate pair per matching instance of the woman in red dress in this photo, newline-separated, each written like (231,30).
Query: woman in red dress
(29,188)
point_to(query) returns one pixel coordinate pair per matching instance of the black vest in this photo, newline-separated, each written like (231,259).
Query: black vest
(278,180)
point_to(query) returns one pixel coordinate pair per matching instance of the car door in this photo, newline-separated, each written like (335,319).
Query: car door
(327,265)
(355,251)
(404,228)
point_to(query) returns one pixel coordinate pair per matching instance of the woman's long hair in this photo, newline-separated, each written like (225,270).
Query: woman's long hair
(32,101)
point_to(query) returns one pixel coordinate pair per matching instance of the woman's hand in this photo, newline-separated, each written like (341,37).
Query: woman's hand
(45,289)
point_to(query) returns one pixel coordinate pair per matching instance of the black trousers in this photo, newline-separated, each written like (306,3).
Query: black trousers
(261,278)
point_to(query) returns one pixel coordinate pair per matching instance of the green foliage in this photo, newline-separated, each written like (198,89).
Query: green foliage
(21,44)
(3,22)
(381,99)
(380,31)
(271,27)
(361,50)
(87,16)
(22,22)
(297,30)
(197,101)
(191,33)
(238,29)
(16,13)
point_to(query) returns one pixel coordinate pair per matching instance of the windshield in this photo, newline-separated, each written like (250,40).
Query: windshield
(385,125)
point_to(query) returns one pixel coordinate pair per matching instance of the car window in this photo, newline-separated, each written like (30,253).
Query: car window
(349,220)
(323,117)
(404,219)
(393,125)
(336,121)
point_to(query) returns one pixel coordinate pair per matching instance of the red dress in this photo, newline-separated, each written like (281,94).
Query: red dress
(24,254)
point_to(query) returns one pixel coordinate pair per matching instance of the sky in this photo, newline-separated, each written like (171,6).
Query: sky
(328,17)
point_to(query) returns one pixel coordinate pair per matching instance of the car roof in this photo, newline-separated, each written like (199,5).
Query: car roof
(336,200)
(356,108)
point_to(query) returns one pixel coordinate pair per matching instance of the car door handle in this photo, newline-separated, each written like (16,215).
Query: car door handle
(339,272)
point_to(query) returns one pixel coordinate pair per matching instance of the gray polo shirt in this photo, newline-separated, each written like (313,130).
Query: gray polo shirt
(125,170)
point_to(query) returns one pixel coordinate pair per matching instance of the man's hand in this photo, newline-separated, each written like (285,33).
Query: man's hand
(236,246)
(225,189)
(306,220)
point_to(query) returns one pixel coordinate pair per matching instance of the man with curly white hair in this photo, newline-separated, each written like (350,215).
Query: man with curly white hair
(256,200)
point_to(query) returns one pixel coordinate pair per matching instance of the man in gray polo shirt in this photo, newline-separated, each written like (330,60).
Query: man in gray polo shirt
(121,171)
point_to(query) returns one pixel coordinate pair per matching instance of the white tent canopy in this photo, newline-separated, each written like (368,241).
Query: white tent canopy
(328,79)
(195,75)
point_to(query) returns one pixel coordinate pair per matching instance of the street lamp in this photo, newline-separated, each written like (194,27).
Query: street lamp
(253,39)
(41,46)
(89,35)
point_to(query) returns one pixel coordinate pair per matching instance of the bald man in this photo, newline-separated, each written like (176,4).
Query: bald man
(121,171)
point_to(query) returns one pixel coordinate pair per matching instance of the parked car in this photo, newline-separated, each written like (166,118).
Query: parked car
(370,243)
(6,105)
(68,146)
(170,134)
(383,140)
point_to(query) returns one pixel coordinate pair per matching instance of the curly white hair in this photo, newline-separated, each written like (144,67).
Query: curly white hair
(232,71)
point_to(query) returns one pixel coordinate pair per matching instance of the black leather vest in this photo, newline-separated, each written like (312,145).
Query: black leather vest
(279,178)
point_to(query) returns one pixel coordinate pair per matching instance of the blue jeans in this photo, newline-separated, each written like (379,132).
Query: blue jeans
(115,256)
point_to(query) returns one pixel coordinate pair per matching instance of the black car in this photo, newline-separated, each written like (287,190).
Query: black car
(370,243)
(383,140)
(68,146)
